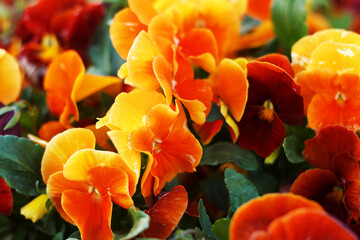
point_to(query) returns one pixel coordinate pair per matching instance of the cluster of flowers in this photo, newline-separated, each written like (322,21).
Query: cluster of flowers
(181,85)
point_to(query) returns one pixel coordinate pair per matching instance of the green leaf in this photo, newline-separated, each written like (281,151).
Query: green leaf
(240,189)
(340,21)
(289,18)
(140,221)
(214,114)
(293,149)
(20,163)
(205,222)
(221,228)
(59,236)
(223,152)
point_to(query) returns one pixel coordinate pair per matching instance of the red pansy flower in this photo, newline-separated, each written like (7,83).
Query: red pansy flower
(334,182)
(273,98)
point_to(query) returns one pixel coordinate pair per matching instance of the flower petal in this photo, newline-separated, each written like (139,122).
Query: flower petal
(91,214)
(258,213)
(129,109)
(6,199)
(93,84)
(330,140)
(56,185)
(143,10)
(64,74)
(79,164)
(113,181)
(340,57)
(309,224)
(259,134)
(10,83)
(160,119)
(140,63)
(347,167)
(123,31)
(36,209)
(62,146)
(231,85)
(166,213)
(199,47)
(302,50)
(179,152)
(50,129)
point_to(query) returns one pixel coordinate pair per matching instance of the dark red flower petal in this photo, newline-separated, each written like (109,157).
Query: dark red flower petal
(166,213)
(269,75)
(259,134)
(314,183)
(35,19)
(323,187)
(6,199)
(279,60)
(320,150)
(346,167)
(289,105)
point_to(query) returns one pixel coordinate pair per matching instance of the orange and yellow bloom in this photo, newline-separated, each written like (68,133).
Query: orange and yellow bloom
(82,182)
(142,122)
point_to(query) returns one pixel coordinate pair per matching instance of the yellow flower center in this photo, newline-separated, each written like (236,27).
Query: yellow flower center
(95,193)
(50,47)
(267,112)
(200,23)
(340,98)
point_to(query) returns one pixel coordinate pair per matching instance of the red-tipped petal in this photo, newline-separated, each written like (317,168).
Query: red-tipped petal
(166,213)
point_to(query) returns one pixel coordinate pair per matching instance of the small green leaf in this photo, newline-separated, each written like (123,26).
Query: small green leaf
(58,236)
(140,222)
(205,222)
(293,149)
(20,163)
(214,114)
(240,189)
(289,18)
(221,228)
(223,152)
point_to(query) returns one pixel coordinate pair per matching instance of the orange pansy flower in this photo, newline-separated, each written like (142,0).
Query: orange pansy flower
(10,81)
(66,83)
(83,182)
(331,86)
(142,122)
(285,216)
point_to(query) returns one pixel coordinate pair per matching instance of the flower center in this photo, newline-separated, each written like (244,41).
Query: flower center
(95,193)
(200,23)
(267,112)
(340,98)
